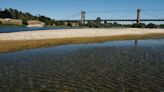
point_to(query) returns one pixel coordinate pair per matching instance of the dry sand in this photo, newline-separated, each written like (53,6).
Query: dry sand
(74,33)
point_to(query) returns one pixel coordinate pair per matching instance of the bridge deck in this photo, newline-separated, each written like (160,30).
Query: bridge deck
(113,20)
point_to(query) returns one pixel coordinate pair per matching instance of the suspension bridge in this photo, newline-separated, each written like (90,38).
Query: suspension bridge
(138,18)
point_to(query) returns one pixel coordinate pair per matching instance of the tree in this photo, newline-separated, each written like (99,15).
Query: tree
(24,22)
(115,24)
(105,22)
(69,24)
(140,25)
(93,24)
(5,14)
(161,25)
(59,23)
(15,14)
(47,20)
(151,25)
(98,22)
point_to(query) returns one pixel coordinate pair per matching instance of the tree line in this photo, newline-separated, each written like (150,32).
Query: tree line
(15,14)
(97,24)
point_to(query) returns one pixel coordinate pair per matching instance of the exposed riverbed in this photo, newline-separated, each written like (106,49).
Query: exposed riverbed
(114,66)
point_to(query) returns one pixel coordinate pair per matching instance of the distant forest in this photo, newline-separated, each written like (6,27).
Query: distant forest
(15,14)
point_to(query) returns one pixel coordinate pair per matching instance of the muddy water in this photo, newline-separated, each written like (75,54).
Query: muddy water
(116,66)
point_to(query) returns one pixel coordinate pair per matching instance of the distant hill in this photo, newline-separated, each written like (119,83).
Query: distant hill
(5,14)
(16,14)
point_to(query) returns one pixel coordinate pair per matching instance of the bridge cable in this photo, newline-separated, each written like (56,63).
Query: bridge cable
(72,16)
(152,15)
(150,10)
(109,11)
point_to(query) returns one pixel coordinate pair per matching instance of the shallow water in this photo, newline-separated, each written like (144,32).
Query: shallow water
(115,66)
(20,29)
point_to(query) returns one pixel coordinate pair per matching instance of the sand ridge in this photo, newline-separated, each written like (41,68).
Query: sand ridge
(74,33)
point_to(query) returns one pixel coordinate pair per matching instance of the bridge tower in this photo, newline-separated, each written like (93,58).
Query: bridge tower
(138,15)
(82,17)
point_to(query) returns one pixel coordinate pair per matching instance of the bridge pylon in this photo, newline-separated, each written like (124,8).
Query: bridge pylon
(138,16)
(83,17)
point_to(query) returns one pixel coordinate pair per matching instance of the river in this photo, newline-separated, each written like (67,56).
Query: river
(114,66)
(20,29)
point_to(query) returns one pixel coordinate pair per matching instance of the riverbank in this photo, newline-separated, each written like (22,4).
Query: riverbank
(36,39)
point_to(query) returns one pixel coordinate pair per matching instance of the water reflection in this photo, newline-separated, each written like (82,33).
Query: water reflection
(117,66)
(136,42)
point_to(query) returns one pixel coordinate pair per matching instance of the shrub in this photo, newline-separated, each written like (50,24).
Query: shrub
(140,25)
(151,25)
(161,25)
(24,22)
(0,22)
(69,24)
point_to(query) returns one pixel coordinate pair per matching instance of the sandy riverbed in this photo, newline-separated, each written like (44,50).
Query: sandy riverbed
(74,33)
(38,39)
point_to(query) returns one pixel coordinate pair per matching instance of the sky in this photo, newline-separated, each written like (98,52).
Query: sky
(106,9)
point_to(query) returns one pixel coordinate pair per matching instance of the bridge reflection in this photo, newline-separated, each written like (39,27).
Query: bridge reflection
(136,42)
